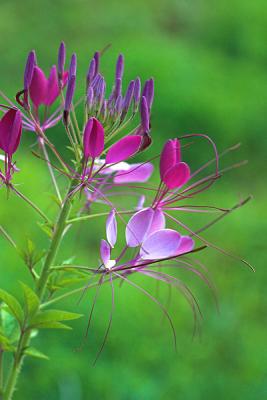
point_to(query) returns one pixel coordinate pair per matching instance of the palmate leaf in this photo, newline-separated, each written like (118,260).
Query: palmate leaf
(13,305)
(32,301)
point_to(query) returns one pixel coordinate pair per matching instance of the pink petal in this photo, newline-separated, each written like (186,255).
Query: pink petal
(52,87)
(10,131)
(104,251)
(111,228)
(136,173)
(160,244)
(186,244)
(170,156)
(177,176)
(142,224)
(38,87)
(123,149)
(93,138)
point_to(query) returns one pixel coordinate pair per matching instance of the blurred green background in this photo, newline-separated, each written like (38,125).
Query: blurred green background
(209,61)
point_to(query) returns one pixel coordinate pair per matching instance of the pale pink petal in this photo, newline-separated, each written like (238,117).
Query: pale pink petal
(177,176)
(104,251)
(186,244)
(158,221)
(136,173)
(138,227)
(111,228)
(160,244)
(123,149)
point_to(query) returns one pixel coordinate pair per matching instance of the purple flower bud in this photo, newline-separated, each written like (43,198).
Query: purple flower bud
(73,65)
(123,149)
(38,86)
(117,88)
(103,111)
(144,115)
(97,60)
(137,93)
(69,97)
(91,72)
(128,97)
(118,105)
(61,60)
(93,139)
(10,131)
(119,67)
(90,97)
(28,72)
(148,92)
(101,91)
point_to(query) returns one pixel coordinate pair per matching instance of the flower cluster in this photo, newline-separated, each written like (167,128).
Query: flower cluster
(116,128)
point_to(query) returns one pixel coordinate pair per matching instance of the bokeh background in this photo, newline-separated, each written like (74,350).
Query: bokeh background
(209,61)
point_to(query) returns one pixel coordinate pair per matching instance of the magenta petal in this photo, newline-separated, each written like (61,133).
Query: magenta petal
(105,251)
(38,87)
(136,173)
(170,156)
(123,149)
(186,245)
(10,131)
(93,138)
(111,228)
(160,244)
(177,176)
(52,87)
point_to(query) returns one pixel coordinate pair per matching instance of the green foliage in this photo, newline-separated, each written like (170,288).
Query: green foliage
(13,305)
(51,319)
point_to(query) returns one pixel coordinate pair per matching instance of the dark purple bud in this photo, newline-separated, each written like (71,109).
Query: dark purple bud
(69,97)
(90,97)
(103,111)
(96,81)
(73,65)
(144,114)
(118,105)
(101,91)
(128,96)
(91,72)
(28,72)
(119,67)
(148,92)
(61,60)
(117,88)
(137,93)
(97,59)
(146,141)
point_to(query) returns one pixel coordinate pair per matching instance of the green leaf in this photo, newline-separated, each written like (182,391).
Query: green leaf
(51,325)
(32,301)
(6,344)
(32,352)
(13,305)
(51,319)
(9,325)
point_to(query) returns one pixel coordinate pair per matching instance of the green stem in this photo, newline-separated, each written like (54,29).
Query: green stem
(40,290)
